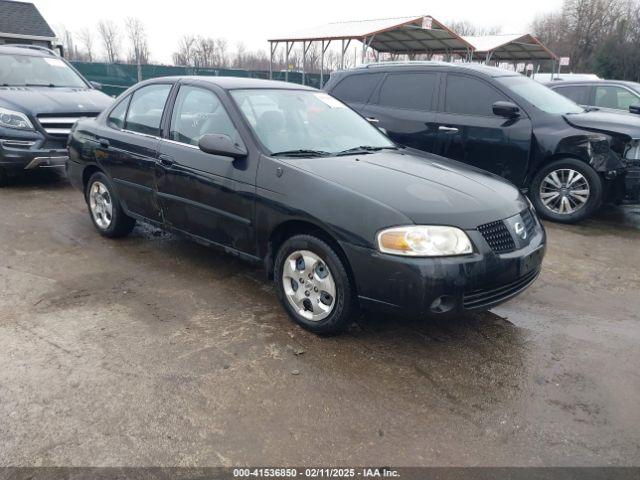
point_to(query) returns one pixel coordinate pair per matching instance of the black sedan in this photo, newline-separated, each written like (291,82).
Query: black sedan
(289,177)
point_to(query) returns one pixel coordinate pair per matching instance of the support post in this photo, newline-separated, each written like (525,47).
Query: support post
(272,50)
(325,46)
(286,61)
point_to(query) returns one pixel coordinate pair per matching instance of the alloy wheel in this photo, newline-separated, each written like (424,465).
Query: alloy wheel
(564,191)
(101,205)
(308,285)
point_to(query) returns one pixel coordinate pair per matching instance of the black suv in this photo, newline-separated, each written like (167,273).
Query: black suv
(614,96)
(569,159)
(41,97)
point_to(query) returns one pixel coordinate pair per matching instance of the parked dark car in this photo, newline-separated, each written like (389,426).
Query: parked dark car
(614,96)
(289,177)
(41,96)
(567,159)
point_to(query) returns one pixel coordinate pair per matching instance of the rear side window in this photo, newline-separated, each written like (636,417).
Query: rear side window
(408,90)
(470,96)
(145,111)
(356,88)
(116,117)
(578,94)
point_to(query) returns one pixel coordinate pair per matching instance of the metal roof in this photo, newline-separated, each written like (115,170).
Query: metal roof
(20,20)
(521,46)
(423,34)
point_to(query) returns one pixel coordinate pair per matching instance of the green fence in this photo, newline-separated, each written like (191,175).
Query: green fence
(117,77)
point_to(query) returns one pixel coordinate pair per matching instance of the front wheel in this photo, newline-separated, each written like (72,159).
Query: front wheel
(566,191)
(313,285)
(105,210)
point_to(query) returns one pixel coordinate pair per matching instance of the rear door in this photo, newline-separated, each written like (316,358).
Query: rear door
(128,148)
(469,131)
(209,196)
(404,107)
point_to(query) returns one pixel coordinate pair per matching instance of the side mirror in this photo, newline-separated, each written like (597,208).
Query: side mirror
(506,109)
(634,109)
(96,85)
(220,144)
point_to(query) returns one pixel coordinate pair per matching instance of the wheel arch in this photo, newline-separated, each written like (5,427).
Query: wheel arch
(88,172)
(288,229)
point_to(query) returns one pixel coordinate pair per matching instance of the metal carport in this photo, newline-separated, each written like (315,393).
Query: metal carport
(404,35)
(509,48)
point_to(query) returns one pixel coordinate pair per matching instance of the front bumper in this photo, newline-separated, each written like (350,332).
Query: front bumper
(432,286)
(31,150)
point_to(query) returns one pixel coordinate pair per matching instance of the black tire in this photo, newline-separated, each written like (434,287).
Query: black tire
(586,210)
(344,305)
(3,178)
(120,224)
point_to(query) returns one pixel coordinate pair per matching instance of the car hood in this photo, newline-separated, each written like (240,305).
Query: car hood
(42,100)
(425,188)
(606,122)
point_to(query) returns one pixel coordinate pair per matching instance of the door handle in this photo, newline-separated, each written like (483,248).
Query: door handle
(444,129)
(372,120)
(166,160)
(104,143)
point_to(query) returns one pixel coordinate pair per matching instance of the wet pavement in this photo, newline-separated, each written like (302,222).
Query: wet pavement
(153,350)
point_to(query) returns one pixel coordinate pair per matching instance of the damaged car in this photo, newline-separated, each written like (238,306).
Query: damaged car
(568,159)
(290,178)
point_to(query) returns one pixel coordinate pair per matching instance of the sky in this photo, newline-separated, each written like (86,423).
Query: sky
(253,22)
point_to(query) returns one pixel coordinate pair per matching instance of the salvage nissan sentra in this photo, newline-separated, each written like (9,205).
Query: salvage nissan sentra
(289,177)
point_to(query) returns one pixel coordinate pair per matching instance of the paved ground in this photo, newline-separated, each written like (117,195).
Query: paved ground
(156,351)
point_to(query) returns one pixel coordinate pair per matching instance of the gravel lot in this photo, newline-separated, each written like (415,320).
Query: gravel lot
(154,350)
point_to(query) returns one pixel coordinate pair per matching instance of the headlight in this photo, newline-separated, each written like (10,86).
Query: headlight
(11,119)
(424,241)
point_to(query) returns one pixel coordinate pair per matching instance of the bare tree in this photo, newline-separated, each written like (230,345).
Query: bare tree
(85,36)
(110,37)
(466,28)
(185,56)
(139,46)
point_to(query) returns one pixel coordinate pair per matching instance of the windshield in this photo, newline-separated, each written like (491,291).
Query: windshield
(540,96)
(306,122)
(29,70)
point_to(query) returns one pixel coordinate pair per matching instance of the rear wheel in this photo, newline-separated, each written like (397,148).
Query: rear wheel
(105,210)
(566,191)
(313,285)
(3,178)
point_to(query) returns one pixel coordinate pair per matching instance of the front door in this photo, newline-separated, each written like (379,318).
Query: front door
(469,131)
(209,196)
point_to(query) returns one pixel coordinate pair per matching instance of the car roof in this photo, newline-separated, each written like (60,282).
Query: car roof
(557,83)
(232,83)
(26,50)
(395,66)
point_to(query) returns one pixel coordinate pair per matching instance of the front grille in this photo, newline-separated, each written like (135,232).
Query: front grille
(498,237)
(59,125)
(529,222)
(483,298)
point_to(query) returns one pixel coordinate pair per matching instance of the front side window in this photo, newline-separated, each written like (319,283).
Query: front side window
(307,121)
(117,116)
(408,90)
(145,110)
(541,97)
(198,112)
(615,97)
(470,96)
(35,71)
